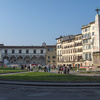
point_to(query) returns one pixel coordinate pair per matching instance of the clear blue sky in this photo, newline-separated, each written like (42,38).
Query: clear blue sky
(32,22)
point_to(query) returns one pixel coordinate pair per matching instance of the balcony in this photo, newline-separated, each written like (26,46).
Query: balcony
(78,44)
(79,60)
(84,38)
(88,59)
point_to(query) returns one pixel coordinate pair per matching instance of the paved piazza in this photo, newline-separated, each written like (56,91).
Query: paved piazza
(18,92)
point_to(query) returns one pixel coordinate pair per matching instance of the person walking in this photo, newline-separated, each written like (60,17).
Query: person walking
(64,69)
(49,68)
(67,69)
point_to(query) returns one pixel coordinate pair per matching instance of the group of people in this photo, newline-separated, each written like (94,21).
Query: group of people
(46,68)
(30,67)
(23,67)
(64,68)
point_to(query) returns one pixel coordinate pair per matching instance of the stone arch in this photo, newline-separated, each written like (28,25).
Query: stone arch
(6,59)
(34,60)
(20,60)
(27,60)
(12,59)
(41,60)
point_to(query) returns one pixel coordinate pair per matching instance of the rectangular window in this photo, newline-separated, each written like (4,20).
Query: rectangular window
(53,57)
(92,27)
(86,35)
(92,33)
(48,57)
(86,30)
(86,56)
(48,49)
(89,46)
(27,51)
(41,51)
(5,51)
(83,36)
(86,46)
(89,35)
(20,51)
(34,51)
(13,51)
(92,40)
(83,30)
(89,55)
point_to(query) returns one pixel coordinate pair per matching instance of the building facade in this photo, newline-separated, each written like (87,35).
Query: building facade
(88,33)
(68,51)
(78,48)
(23,54)
(84,48)
(27,54)
(59,48)
(51,55)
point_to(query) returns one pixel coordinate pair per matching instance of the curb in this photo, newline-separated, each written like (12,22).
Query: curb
(50,84)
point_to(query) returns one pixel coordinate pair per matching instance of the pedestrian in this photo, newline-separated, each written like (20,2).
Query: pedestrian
(49,68)
(45,69)
(28,67)
(67,69)
(21,67)
(25,66)
(31,68)
(64,69)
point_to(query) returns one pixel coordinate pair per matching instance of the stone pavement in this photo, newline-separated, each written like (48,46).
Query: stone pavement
(49,83)
(72,72)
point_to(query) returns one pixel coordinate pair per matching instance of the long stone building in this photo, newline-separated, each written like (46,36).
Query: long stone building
(26,54)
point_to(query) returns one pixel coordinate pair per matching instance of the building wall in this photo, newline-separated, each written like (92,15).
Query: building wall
(10,57)
(59,51)
(96,60)
(90,42)
(68,52)
(51,55)
(78,50)
(88,32)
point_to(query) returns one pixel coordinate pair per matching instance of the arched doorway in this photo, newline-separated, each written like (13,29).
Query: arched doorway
(12,59)
(20,60)
(6,59)
(42,60)
(27,60)
(34,60)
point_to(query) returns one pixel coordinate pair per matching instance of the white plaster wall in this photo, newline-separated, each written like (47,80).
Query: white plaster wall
(97,34)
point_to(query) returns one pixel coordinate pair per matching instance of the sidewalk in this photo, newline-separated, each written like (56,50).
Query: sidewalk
(72,72)
(55,84)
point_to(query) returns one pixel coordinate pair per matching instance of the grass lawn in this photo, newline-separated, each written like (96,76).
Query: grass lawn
(10,70)
(42,76)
